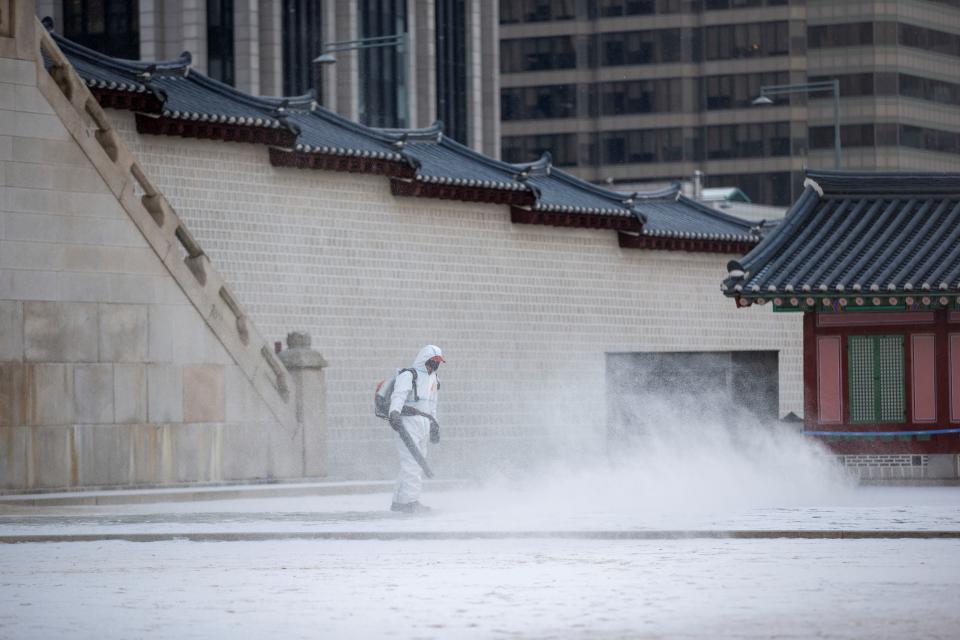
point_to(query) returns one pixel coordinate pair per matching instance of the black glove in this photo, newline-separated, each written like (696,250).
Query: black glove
(434,432)
(395,421)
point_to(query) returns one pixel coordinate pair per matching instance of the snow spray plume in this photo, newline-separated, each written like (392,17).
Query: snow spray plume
(673,455)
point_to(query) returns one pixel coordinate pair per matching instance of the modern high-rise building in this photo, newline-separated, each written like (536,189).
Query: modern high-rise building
(635,90)
(444,68)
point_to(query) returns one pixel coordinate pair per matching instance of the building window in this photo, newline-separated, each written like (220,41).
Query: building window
(738,91)
(755,140)
(383,77)
(302,38)
(535,103)
(640,96)
(537,54)
(642,146)
(852,135)
(451,30)
(883,33)
(851,34)
(108,26)
(875,379)
(853,84)
(930,40)
(715,5)
(753,40)
(639,47)
(929,139)
(220,59)
(613,8)
(563,148)
(929,89)
(767,188)
(513,11)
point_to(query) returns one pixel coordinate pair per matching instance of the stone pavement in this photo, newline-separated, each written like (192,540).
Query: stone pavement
(360,511)
(199,493)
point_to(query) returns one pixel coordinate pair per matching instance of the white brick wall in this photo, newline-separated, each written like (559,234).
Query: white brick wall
(525,313)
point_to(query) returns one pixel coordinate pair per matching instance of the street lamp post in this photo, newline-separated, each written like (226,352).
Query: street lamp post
(809,87)
(327,57)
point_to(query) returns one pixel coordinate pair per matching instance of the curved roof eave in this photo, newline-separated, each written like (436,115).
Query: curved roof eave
(890,183)
(318,130)
(887,238)
(132,67)
(794,217)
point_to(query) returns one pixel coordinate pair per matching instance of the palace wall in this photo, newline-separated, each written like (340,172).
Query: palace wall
(121,365)
(524,313)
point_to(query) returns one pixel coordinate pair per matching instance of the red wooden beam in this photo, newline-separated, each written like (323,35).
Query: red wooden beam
(214,131)
(570,219)
(942,372)
(946,443)
(419,189)
(128,100)
(810,408)
(630,241)
(331,162)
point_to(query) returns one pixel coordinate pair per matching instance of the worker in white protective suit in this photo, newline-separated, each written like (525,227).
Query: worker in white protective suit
(406,496)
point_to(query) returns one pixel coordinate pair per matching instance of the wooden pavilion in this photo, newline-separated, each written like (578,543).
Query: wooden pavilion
(872,261)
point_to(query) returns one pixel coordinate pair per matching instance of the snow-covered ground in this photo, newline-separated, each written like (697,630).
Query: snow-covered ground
(482,589)
(476,588)
(511,587)
(502,510)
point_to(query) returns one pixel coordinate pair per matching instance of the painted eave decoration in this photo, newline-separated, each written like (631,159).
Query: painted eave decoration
(171,98)
(859,241)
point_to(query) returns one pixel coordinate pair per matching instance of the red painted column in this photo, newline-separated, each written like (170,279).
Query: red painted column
(829,380)
(945,367)
(948,368)
(809,372)
(923,378)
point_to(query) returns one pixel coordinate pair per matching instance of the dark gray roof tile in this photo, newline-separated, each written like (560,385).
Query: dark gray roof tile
(440,159)
(323,131)
(868,234)
(187,95)
(675,215)
(103,72)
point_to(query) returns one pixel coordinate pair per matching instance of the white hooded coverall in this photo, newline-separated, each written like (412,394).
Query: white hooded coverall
(410,480)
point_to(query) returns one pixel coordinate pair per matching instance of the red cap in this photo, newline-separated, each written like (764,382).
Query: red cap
(440,358)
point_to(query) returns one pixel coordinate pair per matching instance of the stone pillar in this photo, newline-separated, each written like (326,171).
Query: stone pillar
(310,395)
(483,77)
(271,48)
(421,57)
(186,30)
(169,27)
(246,45)
(344,26)
(151,30)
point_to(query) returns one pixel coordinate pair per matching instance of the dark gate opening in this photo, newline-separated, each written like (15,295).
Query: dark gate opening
(646,389)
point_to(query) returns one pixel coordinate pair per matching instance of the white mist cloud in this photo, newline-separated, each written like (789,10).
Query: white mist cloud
(680,462)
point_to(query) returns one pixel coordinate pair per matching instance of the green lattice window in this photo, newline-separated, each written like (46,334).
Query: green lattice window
(876,378)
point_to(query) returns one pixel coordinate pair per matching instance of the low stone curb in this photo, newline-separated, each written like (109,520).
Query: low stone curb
(234,492)
(483,535)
